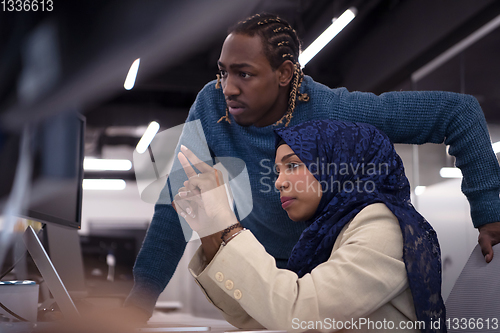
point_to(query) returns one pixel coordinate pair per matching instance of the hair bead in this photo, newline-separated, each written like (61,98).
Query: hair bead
(226,117)
(271,20)
(283,29)
(217,85)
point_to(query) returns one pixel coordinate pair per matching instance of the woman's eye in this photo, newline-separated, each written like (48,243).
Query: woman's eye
(244,75)
(222,73)
(292,165)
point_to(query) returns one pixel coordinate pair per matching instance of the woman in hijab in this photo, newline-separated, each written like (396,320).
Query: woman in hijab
(367,260)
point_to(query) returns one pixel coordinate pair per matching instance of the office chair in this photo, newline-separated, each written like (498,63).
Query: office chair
(474,301)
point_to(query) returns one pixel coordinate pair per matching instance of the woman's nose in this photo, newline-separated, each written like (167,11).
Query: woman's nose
(281,182)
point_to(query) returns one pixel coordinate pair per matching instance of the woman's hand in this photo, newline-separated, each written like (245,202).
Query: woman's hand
(190,206)
(203,201)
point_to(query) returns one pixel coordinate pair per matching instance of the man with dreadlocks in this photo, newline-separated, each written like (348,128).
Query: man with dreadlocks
(260,88)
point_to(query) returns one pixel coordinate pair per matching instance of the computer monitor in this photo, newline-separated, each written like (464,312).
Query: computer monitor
(54,197)
(56,193)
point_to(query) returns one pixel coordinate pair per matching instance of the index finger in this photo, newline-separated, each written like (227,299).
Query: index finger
(199,164)
(188,169)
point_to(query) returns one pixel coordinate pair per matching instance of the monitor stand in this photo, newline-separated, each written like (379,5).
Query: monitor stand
(49,274)
(66,254)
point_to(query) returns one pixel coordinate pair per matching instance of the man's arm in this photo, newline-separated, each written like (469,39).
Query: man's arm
(419,117)
(160,254)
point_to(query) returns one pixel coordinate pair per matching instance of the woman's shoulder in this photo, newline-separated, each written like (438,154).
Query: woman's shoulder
(375,226)
(375,211)
(373,215)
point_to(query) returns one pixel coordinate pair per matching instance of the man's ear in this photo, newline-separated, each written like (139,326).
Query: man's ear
(285,72)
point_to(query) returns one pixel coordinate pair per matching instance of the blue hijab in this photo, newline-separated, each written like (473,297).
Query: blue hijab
(357,165)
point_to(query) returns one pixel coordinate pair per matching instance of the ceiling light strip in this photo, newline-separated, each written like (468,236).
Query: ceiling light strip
(132,74)
(97,164)
(147,137)
(104,184)
(447,172)
(496,147)
(337,26)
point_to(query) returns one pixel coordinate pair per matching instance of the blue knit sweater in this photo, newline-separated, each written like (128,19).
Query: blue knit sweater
(407,117)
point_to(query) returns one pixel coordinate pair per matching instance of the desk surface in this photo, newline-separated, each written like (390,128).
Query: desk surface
(182,319)
(215,325)
(159,322)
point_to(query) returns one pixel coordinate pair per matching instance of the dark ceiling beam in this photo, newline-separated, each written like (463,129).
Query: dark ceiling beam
(468,28)
(125,175)
(162,33)
(402,41)
(185,78)
(135,115)
(118,140)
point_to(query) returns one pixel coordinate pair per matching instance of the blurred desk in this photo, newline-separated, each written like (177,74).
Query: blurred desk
(159,322)
(185,319)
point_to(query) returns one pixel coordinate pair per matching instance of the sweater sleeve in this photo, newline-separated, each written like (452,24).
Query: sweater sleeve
(168,234)
(418,117)
(158,258)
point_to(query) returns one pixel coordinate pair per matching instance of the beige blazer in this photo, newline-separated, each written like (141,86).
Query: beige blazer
(362,287)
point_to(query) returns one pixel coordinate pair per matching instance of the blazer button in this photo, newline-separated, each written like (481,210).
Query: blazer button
(229,284)
(237,294)
(219,276)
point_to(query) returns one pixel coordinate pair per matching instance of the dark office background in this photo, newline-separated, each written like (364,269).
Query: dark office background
(87,48)
(76,58)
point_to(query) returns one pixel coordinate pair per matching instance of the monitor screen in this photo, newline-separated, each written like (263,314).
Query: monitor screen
(56,192)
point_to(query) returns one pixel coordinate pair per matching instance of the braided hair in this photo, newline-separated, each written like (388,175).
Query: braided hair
(280,43)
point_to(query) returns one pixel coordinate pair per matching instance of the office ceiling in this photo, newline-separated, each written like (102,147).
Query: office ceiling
(179,43)
(378,51)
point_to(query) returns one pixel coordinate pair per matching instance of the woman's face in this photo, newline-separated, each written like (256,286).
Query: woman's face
(300,192)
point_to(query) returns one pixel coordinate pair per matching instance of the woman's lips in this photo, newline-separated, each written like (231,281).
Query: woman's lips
(286,201)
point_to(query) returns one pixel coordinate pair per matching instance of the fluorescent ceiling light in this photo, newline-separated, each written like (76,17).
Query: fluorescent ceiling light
(496,147)
(132,74)
(104,184)
(135,131)
(95,164)
(419,190)
(450,173)
(147,137)
(327,36)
